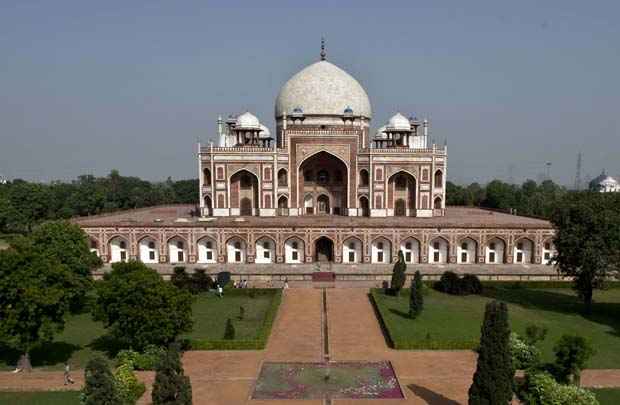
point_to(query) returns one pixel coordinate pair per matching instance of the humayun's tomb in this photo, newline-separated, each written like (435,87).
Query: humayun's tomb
(323,188)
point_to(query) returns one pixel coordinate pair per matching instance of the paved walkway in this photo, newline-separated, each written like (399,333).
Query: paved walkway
(228,377)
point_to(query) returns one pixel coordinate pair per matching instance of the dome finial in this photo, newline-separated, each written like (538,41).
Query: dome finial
(323,53)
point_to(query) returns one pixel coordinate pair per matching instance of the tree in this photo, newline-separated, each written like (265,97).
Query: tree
(416,299)
(100,387)
(494,375)
(398,274)
(587,240)
(68,243)
(164,310)
(171,386)
(571,354)
(229,331)
(35,293)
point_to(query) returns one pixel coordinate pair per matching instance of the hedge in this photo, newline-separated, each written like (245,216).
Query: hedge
(249,344)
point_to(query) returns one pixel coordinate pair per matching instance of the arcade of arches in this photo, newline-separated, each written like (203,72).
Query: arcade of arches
(380,250)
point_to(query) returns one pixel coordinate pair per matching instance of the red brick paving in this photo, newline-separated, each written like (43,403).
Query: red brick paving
(228,377)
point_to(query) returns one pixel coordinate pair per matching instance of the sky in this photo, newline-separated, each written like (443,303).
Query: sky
(87,87)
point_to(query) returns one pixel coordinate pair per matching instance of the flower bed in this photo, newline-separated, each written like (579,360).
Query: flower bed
(338,380)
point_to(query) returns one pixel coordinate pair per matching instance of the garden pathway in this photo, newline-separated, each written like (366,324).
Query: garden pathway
(228,377)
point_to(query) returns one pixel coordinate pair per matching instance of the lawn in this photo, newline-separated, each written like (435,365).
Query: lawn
(41,398)
(453,322)
(3,244)
(83,337)
(608,396)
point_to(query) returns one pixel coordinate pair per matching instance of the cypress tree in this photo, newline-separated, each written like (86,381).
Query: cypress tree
(398,274)
(100,387)
(229,332)
(171,386)
(416,299)
(493,380)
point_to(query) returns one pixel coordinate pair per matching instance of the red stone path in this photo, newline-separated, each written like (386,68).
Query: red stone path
(228,377)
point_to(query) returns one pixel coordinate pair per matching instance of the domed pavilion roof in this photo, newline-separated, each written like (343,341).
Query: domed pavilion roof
(323,89)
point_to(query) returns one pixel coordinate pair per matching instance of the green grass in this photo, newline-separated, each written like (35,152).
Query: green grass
(3,244)
(211,312)
(82,337)
(453,322)
(608,396)
(41,398)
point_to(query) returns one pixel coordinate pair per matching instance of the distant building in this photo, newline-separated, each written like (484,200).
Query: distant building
(605,184)
(3,180)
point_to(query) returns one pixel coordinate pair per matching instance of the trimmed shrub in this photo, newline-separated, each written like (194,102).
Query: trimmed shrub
(229,332)
(494,375)
(171,386)
(398,274)
(99,387)
(127,384)
(201,282)
(451,283)
(416,299)
(180,278)
(541,389)
(524,356)
(572,352)
(470,284)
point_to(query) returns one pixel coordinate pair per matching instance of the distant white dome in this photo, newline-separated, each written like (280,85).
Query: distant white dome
(608,181)
(399,123)
(323,89)
(264,132)
(381,133)
(247,120)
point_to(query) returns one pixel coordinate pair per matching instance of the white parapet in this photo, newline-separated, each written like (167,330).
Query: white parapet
(376,212)
(424,213)
(267,212)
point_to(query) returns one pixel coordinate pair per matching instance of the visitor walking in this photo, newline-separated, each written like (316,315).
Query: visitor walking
(285,283)
(68,379)
(219,290)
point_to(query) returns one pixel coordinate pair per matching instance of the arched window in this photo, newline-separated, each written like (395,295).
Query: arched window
(364,178)
(364,208)
(220,201)
(401,182)
(437,203)
(322,176)
(246,206)
(400,208)
(235,250)
(176,250)
(206,177)
(206,251)
(323,204)
(308,175)
(282,177)
(438,178)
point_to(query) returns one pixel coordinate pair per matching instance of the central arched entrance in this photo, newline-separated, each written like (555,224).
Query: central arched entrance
(323,250)
(323,185)
(244,193)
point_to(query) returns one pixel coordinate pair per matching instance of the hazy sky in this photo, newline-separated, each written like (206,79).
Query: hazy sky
(89,86)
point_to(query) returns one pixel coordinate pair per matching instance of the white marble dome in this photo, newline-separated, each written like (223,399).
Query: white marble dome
(264,132)
(247,120)
(381,133)
(323,89)
(399,123)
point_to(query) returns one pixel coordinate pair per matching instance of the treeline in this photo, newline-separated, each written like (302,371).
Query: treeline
(529,198)
(24,204)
